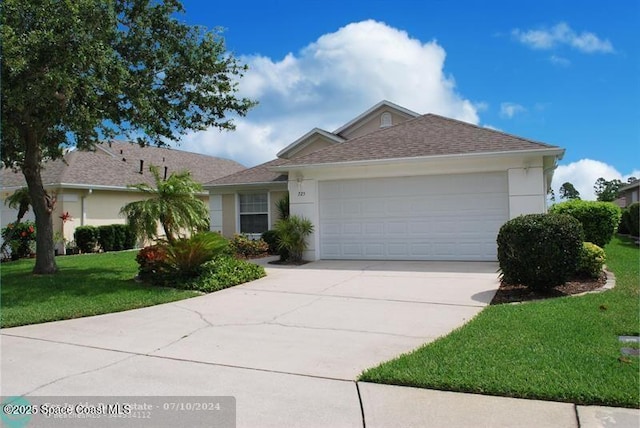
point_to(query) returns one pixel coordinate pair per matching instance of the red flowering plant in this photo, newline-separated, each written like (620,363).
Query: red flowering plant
(20,238)
(153,262)
(65,217)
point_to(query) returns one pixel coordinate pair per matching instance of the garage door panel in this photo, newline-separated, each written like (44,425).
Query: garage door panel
(454,217)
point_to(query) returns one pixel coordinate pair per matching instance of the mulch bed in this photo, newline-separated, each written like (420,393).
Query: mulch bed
(509,293)
(287,263)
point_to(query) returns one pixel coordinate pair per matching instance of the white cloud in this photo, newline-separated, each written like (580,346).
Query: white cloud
(508,110)
(583,175)
(560,61)
(563,34)
(331,81)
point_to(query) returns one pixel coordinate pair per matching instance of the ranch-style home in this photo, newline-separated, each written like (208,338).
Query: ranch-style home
(92,185)
(392,184)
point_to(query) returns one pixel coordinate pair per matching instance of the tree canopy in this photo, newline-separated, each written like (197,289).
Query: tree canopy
(78,72)
(607,191)
(569,192)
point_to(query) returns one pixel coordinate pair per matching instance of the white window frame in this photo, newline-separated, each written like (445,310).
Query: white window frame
(239,214)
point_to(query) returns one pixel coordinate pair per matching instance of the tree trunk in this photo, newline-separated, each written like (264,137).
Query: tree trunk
(43,205)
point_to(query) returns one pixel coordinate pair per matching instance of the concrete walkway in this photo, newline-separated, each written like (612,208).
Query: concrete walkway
(288,347)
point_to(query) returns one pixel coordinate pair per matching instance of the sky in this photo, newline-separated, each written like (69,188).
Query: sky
(565,73)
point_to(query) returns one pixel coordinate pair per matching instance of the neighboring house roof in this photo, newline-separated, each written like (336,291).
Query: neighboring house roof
(424,136)
(629,186)
(260,174)
(117,164)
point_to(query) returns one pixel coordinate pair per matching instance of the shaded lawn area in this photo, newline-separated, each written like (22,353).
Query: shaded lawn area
(90,284)
(562,349)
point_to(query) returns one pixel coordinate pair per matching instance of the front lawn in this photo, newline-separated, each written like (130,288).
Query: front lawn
(563,349)
(86,285)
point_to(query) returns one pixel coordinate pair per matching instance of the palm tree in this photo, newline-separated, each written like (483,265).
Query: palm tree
(172,202)
(19,200)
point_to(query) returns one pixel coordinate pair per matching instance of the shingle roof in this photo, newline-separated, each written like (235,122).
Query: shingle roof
(428,135)
(117,164)
(257,174)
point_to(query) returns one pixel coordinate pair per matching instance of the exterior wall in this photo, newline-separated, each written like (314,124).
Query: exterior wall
(373,124)
(527,193)
(274,197)
(317,144)
(304,203)
(526,183)
(215,211)
(229,215)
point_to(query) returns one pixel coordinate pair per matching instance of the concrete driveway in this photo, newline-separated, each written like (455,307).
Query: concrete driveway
(288,346)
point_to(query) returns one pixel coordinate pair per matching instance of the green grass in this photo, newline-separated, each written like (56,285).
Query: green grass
(563,349)
(86,285)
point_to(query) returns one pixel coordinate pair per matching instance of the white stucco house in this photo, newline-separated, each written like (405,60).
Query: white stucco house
(392,184)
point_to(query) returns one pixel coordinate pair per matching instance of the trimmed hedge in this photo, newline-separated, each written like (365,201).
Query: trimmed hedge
(86,238)
(111,237)
(599,219)
(539,251)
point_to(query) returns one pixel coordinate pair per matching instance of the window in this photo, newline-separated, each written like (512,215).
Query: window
(254,213)
(385,120)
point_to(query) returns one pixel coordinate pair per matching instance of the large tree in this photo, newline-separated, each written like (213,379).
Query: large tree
(172,202)
(77,72)
(569,192)
(606,190)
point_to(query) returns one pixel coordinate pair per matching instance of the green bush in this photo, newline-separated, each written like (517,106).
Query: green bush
(272,239)
(86,238)
(293,233)
(223,272)
(539,251)
(20,238)
(106,238)
(248,248)
(599,219)
(623,227)
(633,219)
(130,238)
(590,260)
(185,256)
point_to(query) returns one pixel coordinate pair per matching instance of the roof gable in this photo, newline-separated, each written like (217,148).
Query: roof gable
(307,140)
(371,117)
(424,136)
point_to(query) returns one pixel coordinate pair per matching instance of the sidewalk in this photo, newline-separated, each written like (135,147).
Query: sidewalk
(388,406)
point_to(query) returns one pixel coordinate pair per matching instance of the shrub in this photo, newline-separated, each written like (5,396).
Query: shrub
(623,227)
(86,238)
(539,251)
(186,255)
(152,261)
(130,238)
(222,272)
(19,238)
(590,260)
(633,219)
(293,233)
(106,237)
(599,219)
(248,248)
(273,240)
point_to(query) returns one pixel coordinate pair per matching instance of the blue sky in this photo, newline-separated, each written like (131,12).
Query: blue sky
(561,72)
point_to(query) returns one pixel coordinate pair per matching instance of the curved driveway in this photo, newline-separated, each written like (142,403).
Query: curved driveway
(288,346)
